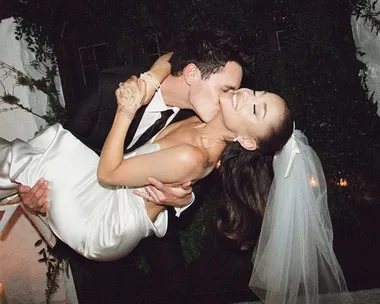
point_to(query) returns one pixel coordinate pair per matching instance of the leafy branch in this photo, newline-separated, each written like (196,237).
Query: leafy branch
(36,37)
(367,10)
(46,84)
(55,266)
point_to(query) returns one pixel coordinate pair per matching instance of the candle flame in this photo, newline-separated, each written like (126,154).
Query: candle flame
(342,182)
(313,182)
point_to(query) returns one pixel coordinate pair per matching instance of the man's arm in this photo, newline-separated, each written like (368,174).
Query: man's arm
(180,197)
(167,195)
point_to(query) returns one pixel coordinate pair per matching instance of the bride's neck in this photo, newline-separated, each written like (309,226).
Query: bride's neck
(217,131)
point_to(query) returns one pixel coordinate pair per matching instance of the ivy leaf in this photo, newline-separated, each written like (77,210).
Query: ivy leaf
(22,80)
(374,4)
(10,99)
(38,243)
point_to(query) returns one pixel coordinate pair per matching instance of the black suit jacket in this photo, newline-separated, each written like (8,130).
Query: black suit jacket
(95,116)
(96,113)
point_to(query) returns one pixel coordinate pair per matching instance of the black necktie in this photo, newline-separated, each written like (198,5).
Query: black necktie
(133,126)
(150,132)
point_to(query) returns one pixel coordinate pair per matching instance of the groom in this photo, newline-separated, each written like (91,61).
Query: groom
(203,65)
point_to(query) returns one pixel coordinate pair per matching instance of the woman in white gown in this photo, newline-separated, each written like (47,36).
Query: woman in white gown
(105,220)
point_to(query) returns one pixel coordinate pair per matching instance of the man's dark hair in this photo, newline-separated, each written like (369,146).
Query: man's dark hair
(209,49)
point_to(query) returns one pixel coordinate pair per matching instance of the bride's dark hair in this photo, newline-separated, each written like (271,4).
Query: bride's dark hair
(246,178)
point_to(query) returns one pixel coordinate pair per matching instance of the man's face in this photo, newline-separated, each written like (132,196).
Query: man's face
(204,95)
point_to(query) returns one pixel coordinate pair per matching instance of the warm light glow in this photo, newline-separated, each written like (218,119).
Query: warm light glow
(313,182)
(342,182)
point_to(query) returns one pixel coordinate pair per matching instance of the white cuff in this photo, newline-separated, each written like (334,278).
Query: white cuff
(179,210)
(161,224)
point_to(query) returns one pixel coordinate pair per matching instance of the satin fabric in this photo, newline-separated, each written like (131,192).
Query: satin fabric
(100,223)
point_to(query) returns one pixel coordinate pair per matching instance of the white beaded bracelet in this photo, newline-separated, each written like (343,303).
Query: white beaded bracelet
(151,80)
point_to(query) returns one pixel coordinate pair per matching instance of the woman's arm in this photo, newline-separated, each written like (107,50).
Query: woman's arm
(130,96)
(175,165)
(159,70)
(161,67)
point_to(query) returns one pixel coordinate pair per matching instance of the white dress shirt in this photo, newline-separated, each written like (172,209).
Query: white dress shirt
(151,114)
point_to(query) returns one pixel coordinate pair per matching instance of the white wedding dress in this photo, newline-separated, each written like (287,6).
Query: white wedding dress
(99,222)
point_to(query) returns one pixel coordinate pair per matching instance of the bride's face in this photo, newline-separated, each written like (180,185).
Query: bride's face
(251,114)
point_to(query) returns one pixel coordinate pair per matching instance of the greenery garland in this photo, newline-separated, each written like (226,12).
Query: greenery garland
(56,112)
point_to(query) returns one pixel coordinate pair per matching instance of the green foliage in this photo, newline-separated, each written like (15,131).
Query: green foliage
(367,10)
(201,230)
(55,265)
(55,112)
(49,25)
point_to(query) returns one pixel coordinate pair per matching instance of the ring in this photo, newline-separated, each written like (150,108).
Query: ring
(121,83)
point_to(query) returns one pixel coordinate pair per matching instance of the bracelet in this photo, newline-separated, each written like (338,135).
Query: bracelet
(151,80)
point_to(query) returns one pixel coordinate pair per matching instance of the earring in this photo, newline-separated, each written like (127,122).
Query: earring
(235,139)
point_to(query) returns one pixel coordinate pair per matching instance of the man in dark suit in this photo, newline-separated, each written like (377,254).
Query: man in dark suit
(202,66)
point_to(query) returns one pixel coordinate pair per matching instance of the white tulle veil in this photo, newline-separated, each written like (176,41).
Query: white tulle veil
(294,261)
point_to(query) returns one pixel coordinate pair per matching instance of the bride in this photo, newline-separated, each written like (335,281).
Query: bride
(116,220)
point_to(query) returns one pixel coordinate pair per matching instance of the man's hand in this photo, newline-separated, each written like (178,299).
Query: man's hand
(160,194)
(36,198)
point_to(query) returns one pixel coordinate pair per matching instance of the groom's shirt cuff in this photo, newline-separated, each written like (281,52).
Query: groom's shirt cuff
(179,210)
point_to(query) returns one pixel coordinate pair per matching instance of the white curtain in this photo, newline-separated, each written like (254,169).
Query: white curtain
(23,278)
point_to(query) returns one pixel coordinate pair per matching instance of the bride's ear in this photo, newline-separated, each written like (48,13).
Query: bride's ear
(247,143)
(192,74)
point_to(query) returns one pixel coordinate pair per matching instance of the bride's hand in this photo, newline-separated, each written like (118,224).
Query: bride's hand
(131,95)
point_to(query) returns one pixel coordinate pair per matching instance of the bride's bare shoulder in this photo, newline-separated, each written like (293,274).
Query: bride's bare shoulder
(195,159)
(192,154)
